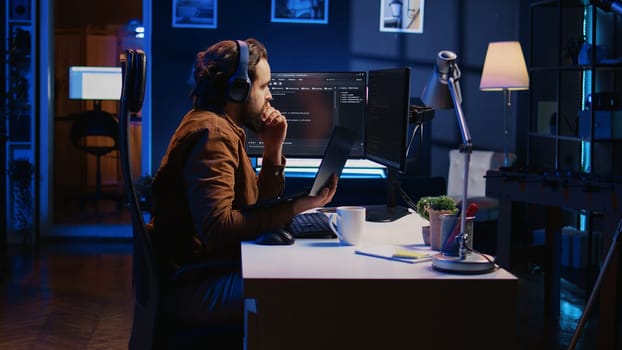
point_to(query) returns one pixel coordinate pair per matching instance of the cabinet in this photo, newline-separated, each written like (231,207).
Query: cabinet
(575,95)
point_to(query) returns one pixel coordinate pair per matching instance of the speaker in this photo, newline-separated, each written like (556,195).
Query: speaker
(239,83)
(19,10)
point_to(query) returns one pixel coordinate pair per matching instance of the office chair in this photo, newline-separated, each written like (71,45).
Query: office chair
(153,327)
(101,124)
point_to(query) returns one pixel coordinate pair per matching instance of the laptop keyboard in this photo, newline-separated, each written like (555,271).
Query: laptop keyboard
(310,225)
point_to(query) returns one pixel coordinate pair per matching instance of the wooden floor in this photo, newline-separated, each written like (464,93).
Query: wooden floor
(67,300)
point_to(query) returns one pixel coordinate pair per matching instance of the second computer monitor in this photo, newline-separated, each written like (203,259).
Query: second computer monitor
(314,103)
(386,134)
(388,104)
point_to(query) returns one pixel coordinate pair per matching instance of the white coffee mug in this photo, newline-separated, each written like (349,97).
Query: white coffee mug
(348,223)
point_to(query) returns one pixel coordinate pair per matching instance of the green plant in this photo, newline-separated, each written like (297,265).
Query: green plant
(21,172)
(15,104)
(442,202)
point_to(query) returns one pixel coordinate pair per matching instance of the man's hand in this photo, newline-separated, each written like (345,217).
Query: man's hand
(322,198)
(275,126)
(273,133)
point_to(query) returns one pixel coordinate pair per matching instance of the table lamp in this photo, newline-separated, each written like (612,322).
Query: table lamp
(443,92)
(505,70)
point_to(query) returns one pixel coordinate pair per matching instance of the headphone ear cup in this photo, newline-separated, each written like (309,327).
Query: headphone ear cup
(240,83)
(238,90)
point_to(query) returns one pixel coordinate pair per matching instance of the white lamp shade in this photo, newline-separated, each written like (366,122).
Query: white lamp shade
(504,67)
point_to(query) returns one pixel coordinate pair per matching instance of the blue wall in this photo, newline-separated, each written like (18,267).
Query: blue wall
(350,41)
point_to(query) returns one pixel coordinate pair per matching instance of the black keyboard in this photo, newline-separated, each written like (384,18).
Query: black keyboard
(310,225)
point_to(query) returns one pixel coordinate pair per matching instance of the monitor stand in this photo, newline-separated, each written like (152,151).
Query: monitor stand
(390,211)
(384,212)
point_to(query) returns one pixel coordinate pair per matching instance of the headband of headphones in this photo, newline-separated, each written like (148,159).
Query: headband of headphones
(240,83)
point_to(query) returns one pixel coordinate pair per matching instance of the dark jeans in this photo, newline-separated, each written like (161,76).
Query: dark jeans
(217,300)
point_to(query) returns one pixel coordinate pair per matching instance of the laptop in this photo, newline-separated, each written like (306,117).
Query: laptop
(335,155)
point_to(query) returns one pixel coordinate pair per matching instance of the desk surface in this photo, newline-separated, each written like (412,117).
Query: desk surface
(354,301)
(327,259)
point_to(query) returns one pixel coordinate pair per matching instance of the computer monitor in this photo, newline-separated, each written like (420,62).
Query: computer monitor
(386,133)
(95,83)
(314,103)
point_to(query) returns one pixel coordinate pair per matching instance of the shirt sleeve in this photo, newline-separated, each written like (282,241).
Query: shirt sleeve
(210,176)
(271,179)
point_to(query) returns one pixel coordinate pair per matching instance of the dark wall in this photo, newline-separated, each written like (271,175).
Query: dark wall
(350,41)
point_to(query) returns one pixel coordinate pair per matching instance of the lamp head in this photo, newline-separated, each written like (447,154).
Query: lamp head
(436,93)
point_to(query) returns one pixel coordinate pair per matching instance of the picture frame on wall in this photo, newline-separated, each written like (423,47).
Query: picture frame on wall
(195,13)
(402,16)
(300,11)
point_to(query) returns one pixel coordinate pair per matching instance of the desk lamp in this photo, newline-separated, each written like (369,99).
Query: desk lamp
(443,92)
(505,70)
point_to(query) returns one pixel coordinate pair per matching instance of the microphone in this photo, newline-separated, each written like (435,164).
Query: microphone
(614,6)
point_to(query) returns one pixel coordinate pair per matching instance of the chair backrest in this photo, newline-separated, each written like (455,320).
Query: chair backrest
(144,276)
(95,123)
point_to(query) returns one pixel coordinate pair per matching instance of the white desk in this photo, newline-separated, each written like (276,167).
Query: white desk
(317,294)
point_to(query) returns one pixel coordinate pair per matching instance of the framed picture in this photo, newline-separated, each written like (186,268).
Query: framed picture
(300,11)
(195,13)
(404,16)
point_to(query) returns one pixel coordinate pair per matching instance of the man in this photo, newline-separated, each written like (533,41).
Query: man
(206,179)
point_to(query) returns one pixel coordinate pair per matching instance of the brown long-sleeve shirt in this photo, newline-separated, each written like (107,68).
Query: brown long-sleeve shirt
(204,183)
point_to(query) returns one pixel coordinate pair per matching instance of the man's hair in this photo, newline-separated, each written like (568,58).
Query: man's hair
(214,67)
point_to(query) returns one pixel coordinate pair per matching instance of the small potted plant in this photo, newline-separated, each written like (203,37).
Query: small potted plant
(21,172)
(430,208)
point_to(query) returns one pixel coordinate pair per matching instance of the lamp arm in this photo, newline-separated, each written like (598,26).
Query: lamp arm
(464,129)
(466,148)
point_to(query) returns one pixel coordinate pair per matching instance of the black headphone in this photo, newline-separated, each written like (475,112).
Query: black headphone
(239,83)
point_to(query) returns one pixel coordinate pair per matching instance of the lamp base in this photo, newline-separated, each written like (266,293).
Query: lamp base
(470,264)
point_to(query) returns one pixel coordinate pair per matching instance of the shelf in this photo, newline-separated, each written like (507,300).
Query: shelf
(557,128)
(555,137)
(556,3)
(578,68)
(569,138)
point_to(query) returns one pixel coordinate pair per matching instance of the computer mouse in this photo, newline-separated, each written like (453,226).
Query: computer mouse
(277,236)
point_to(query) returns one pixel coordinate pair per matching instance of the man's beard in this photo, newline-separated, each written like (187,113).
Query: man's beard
(252,120)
